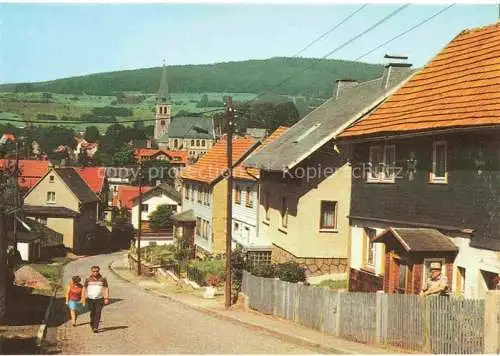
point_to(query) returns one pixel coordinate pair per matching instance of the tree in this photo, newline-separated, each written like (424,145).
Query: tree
(91,134)
(160,218)
(125,156)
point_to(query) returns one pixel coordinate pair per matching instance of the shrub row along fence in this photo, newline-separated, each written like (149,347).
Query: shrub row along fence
(431,325)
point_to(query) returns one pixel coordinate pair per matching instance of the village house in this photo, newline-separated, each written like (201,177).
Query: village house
(204,194)
(245,224)
(62,201)
(305,178)
(162,194)
(428,182)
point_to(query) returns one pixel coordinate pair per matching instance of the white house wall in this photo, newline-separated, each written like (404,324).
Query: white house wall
(246,217)
(474,260)
(200,211)
(24,249)
(153,203)
(357,249)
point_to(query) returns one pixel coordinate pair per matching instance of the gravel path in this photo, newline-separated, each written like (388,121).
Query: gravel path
(139,322)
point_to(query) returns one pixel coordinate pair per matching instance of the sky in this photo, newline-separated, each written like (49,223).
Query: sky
(40,42)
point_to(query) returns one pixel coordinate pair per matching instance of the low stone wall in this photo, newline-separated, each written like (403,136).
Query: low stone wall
(147,269)
(314,266)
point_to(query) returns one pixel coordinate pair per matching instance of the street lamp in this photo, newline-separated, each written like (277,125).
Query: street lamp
(229,225)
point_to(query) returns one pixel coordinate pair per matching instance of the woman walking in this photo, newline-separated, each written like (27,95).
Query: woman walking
(74,297)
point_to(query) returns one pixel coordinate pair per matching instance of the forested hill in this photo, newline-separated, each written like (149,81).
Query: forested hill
(311,77)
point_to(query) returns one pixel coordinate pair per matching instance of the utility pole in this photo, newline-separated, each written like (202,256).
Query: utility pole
(229,225)
(139,222)
(16,176)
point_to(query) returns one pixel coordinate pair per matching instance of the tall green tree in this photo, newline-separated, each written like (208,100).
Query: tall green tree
(160,218)
(125,156)
(91,134)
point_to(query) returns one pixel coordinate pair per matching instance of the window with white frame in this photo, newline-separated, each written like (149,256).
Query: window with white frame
(328,218)
(439,172)
(186,191)
(382,163)
(144,208)
(51,197)
(237,197)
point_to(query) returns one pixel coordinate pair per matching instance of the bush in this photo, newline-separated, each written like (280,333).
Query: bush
(290,272)
(200,271)
(264,270)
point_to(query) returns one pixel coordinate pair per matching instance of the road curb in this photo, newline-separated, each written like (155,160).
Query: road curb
(257,327)
(42,331)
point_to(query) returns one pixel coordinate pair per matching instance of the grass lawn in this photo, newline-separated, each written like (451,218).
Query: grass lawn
(52,270)
(332,284)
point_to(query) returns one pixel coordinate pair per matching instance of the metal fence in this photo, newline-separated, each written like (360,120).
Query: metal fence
(431,325)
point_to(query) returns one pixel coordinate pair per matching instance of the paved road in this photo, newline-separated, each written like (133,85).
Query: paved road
(139,322)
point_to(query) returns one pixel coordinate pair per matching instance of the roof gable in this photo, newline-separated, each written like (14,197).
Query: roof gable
(459,87)
(242,171)
(326,122)
(76,184)
(213,164)
(159,190)
(93,176)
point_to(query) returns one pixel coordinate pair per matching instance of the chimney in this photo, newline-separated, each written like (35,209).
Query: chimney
(396,69)
(148,143)
(342,85)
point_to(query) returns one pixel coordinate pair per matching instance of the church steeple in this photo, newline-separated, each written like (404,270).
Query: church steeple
(163,95)
(162,107)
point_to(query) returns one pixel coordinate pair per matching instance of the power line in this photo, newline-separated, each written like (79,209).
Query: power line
(74,122)
(405,32)
(396,37)
(369,29)
(330,30)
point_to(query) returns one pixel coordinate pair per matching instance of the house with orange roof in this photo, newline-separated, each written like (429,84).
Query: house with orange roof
(96,179)
(246,192)
(204,194)
(428,188)
(305,178)
(125,195)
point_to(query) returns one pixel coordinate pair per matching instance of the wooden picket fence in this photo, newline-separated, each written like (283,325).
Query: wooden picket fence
(443,325)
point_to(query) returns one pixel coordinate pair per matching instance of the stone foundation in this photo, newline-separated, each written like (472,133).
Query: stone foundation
(314,266)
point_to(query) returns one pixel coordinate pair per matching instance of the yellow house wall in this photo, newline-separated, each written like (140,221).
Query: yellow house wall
(303,237)
(64,196)
(64,226)
(219,217)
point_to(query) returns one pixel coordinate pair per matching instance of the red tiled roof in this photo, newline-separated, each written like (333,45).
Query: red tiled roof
(126,194)
(93,176)
(175,156)
(146,152)
(178,156)
(214,163)
(30,171)
(241,171)
(460,87)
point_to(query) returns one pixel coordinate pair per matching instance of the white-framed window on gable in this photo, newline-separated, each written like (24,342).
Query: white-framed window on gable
(51,197)
(439,173)
(186,192)
(249,198)
(382,164)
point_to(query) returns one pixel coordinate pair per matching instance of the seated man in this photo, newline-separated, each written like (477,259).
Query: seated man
(437,284)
